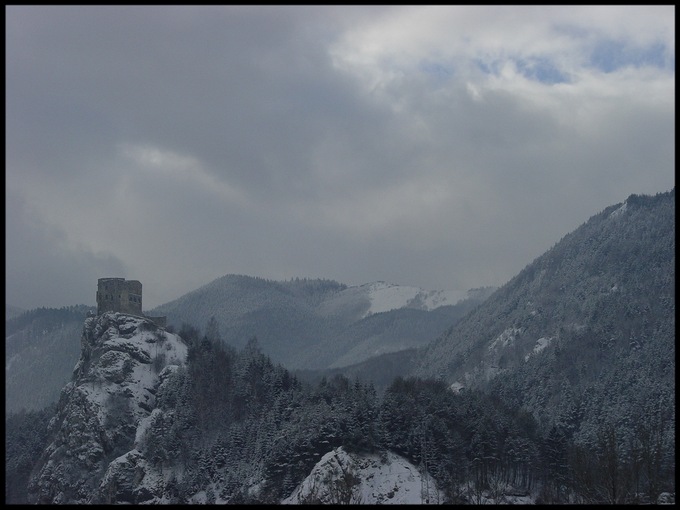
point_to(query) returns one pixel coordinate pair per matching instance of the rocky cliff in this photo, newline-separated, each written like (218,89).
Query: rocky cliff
(103,412)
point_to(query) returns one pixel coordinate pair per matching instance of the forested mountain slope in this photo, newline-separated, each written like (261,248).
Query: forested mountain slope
(584,336)
(152,417)
(41,349)
(303,323)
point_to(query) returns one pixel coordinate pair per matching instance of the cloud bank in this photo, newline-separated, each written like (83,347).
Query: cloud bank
(443,147)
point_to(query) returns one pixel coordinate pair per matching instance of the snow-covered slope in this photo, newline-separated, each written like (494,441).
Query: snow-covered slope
(363,300)
(385,297)
(123,362)
(346,478)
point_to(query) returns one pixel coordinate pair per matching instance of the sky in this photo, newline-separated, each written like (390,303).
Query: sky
(441,147)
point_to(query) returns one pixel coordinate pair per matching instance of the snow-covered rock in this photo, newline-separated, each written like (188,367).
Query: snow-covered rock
(342,477)
(92,456)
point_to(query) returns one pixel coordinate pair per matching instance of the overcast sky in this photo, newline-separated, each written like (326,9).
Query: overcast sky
(442,147)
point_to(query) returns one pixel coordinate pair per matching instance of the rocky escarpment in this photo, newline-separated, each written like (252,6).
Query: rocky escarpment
(92,455)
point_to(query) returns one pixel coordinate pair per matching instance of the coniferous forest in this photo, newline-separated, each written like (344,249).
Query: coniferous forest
(232,416)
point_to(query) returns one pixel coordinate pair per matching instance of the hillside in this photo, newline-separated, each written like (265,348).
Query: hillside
(154,418)
(584,336)
(41,349)
(365,479)
(303,323)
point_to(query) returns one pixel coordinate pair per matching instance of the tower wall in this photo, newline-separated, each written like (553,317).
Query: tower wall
(119,295)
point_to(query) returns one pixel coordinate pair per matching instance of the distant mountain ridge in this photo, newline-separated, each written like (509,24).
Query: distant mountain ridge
(302,322)
(315,323)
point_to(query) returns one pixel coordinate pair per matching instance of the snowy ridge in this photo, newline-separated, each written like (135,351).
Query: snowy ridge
(386,296)
(365,479)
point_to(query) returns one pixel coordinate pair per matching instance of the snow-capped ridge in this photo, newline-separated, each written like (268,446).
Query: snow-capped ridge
(385,296)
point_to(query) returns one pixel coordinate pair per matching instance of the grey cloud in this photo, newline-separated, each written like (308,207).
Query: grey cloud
(288,164)
(43,270)
(240,88)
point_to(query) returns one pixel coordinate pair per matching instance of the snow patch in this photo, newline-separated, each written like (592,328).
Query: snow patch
(619,212)
(506,338)
(541,344)
(456,387)
(389,479)
(386,296)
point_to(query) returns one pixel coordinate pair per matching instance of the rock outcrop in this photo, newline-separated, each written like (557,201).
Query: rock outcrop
(348,478)
(93,456)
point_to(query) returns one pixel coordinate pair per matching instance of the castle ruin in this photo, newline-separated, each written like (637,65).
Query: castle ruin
(124,296)
(119,295)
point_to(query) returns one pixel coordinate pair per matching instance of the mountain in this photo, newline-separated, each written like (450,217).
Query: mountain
(102,415)
(584,336)
(152,418)
(41,349)
(314,324)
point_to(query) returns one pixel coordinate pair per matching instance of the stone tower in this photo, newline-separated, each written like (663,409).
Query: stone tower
(119,295)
